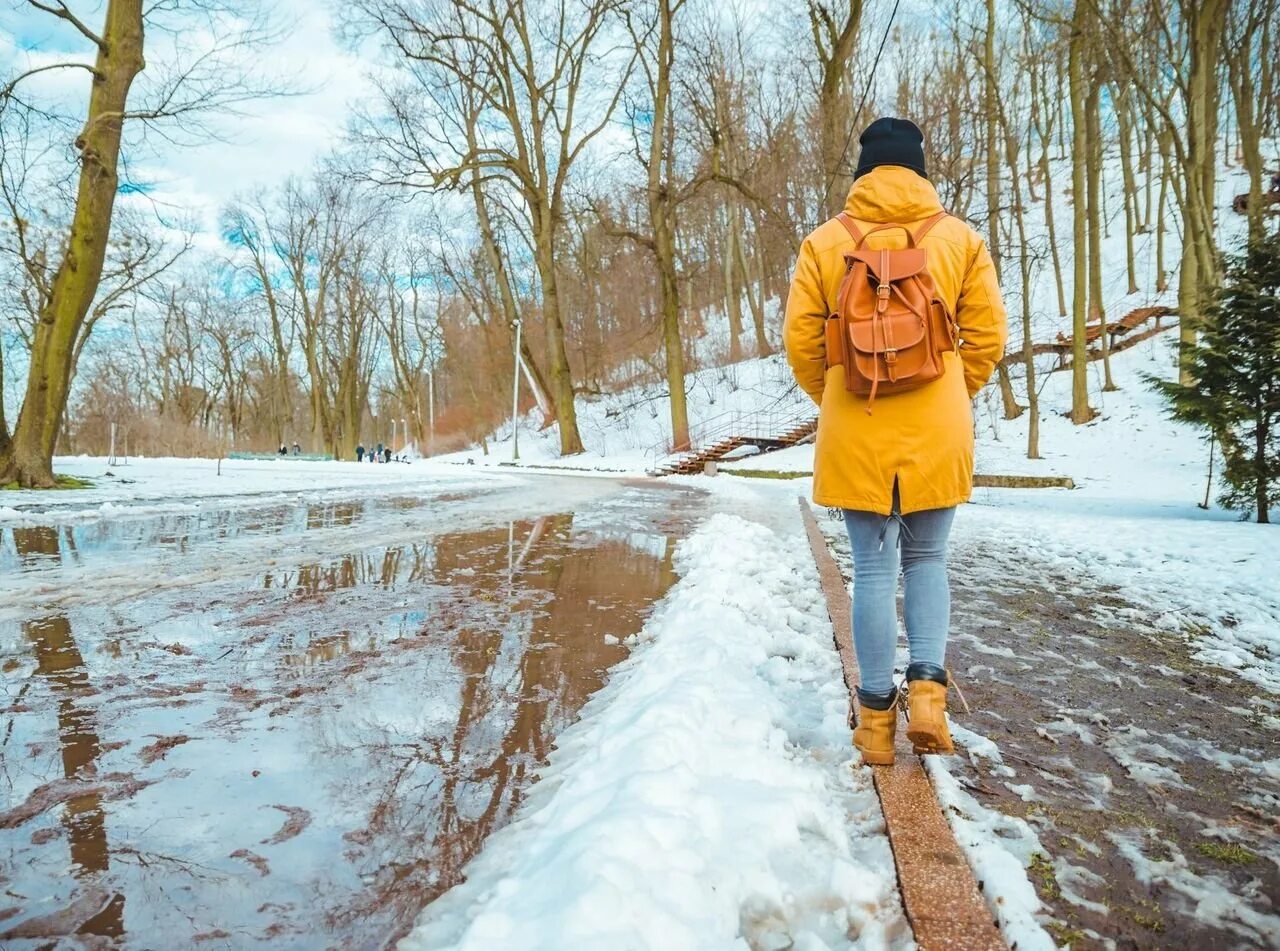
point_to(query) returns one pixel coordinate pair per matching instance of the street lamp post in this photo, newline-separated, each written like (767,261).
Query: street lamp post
(515,400)
(431,410)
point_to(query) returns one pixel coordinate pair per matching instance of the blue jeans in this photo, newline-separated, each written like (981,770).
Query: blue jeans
(876,541)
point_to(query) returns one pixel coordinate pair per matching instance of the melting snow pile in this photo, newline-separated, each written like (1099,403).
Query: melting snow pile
(706,795)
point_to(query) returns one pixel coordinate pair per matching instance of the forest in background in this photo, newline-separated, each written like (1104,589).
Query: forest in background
(629,181)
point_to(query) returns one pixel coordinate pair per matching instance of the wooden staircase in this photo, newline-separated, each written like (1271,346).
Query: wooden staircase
(1116,329)
(766,433)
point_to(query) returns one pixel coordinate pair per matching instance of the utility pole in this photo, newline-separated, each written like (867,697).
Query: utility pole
(515,399)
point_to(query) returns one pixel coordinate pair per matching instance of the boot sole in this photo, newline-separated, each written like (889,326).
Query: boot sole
(926,741)
(876,759)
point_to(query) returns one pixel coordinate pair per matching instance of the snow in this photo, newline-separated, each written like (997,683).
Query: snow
(999,848)
(706,796)
(1205,897)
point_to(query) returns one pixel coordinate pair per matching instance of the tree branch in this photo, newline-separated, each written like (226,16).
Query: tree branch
(62,13)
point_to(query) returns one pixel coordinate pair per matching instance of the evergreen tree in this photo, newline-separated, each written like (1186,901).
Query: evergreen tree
(1235,388)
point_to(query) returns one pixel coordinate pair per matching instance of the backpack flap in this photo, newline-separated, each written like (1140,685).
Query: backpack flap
(888,347)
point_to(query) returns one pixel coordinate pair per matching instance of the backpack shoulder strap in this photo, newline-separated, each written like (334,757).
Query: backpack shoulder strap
(925,228)
(850,227)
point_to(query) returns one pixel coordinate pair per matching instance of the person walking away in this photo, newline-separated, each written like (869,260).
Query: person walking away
(894,374)
(360,453)
(297,450)
(386,453)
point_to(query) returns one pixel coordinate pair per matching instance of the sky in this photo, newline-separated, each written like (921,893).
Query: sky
(266,142)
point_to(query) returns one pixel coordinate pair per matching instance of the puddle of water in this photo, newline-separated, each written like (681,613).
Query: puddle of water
(310,754)
(92,543)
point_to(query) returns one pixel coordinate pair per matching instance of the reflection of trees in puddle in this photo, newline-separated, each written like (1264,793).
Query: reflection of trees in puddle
(500,639)
(60,664)
(522,673)
(330,514)
(177,534)
(318,650)
(347,572)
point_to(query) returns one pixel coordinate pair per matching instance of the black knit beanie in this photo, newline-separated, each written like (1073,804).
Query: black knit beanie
(891,142)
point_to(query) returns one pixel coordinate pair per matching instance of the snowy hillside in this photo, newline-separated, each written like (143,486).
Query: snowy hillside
(629,430)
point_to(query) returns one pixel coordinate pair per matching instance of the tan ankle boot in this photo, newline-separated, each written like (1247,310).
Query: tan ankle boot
(875,733)
(927,717)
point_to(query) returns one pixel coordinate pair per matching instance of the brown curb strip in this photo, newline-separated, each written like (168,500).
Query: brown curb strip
(938,889)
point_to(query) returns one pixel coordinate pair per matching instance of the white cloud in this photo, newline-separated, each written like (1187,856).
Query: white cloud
(268,141)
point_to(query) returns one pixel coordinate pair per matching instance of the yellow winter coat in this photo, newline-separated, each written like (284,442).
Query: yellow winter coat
(923,437)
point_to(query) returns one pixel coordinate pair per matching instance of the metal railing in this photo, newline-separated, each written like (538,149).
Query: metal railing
(706,433)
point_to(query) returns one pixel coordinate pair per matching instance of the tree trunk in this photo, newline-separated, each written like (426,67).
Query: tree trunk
(754,280)
(674,346)
(662,221)
(1262,433)
(1250,83)
(993,154)
(1008,399)
(1028,346)
(1199,276)
(1125,123)
(511,313)
(732,284)
(1080,409)
(29,456)
(1162,280)
(835,42)
(1097,309)
(1011,144)
(6,441)
(557,356)
(1044,131)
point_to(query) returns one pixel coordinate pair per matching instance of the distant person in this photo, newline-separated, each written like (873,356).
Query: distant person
(297,450)
(360,453)
(282,450)
(895,433)
(386,454)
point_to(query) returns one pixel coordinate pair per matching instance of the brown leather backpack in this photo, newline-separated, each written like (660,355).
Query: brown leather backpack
(890,328)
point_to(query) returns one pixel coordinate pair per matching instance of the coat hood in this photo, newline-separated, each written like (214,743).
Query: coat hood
(892,193)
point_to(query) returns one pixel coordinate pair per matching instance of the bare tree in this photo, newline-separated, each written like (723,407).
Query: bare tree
(1174,66)
(183,91)
(535,68)
(834,26)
